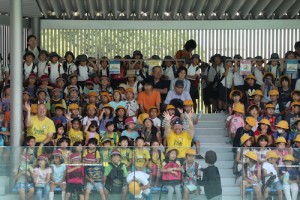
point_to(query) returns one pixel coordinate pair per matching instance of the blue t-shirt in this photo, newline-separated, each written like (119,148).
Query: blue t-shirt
(133,135)
(58,172)
(115,104)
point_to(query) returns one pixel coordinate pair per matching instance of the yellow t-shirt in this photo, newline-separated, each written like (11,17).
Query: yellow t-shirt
(75,136)
(156,159)
(181,142)
(126,155)
(114,138)
(40,128)
(140,156)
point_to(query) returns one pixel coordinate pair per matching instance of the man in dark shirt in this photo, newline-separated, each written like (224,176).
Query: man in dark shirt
(160,84)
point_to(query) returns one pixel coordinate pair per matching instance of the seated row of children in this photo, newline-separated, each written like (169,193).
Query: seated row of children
(263,168)
(81,171)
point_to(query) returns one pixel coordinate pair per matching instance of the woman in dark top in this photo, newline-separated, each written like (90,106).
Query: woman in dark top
(285,89)
(211,178)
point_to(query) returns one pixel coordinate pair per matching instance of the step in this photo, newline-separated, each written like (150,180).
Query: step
(216,147)
(210,131)
(210,124)
(221,164)
(230,190)
(214,139)
(213,117)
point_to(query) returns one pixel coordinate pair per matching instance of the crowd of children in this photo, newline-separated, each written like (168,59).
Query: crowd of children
(99,116)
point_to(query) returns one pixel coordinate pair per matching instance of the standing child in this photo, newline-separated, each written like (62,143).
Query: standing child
(114,176)
(171,174)
(270,171)
(82,70)
(42,62)
(91,131)
(251,175)
(191,174)
(130,132)
(290,178)
(23,178)
(28,66)
(141,155)
(75,177)
(41,177)
(58,177)
(54,67)
(211,177)
(155,162)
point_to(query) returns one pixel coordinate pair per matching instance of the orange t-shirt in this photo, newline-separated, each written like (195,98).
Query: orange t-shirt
(149,100)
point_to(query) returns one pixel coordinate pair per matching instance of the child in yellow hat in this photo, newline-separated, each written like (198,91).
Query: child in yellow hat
(282,149)
(236,120)
(283,131)
(251,174)
(270,170)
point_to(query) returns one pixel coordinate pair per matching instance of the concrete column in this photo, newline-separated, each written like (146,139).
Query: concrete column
(16,71)
(35,24)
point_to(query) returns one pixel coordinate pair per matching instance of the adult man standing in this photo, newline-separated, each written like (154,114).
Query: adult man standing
(39,126)
(176,137)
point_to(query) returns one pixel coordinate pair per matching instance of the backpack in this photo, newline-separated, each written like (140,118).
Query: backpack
(235,123)
(170,176)
(115,179)
(32,69)
(77,70)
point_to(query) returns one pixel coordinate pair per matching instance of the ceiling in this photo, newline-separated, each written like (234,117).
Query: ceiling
(158,9)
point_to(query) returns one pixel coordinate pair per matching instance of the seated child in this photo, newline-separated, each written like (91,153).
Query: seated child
(171,174)
(114,176)
(58,174)
(105,151)
(75,177)
(283,131)
(130,132)
(23,178)
(113,136)
(270,169)
(290,178)
(91,149)
(251,174)
(126,153)
(141,155)
(93,176)
(191,174)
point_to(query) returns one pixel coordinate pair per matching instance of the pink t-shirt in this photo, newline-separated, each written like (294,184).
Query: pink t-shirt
(40,175)
(236,122)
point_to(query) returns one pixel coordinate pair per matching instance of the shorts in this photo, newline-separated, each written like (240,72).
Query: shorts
(73,188)
(97,185)
(24,186)
(277,186)
(223,93)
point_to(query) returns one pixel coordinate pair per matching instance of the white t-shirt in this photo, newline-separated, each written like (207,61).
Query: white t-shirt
(156,122)
(258,75)
(55,73)
(28,69)
(140,177)
(228,78)
(86,119)
(192,70)
(270,169)
(169,72)
(237,78)
(131,107)
(83,72)
(41,68)
(212,72)
(71,68)
(274,70)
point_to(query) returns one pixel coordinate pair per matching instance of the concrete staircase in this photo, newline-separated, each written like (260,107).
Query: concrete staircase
(211,128)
